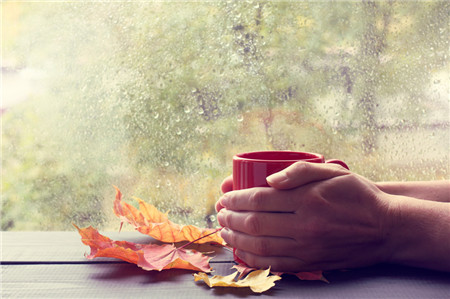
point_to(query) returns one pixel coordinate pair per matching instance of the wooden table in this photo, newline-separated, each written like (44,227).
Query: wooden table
(52,265)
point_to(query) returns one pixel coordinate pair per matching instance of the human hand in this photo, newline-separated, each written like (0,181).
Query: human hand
(316,217)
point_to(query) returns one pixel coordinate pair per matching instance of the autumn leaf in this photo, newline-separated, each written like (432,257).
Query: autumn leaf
(102,246)
(147,256)
(258,281)
(314,275)
(150,221)
(243,270)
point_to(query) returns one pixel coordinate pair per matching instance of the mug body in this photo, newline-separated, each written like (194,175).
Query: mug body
(251,169)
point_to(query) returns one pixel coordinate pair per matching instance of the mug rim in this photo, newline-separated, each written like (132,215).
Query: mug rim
(303,156)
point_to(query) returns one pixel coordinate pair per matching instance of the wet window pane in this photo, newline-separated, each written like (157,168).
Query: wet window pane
(156,97)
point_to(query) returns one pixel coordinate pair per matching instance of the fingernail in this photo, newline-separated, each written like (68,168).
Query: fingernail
(277,178)
(224,201)
(220,217)
(223,232)
(239,257)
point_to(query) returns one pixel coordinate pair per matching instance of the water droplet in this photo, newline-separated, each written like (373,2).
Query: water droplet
(200,130)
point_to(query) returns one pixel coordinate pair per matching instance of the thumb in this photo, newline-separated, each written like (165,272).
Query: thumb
(302,173)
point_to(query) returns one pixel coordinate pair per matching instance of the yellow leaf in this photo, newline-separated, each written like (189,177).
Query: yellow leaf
(258,281)
(313,275)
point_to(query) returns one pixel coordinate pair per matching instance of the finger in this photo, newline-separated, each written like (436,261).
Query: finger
(227,184)
(276,263)
(290,264)
(258,223)
(302,173)
(219,206)
(264,246)
(260,199)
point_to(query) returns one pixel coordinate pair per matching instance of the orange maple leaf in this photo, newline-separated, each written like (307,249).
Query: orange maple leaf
(150,221)
(146,256)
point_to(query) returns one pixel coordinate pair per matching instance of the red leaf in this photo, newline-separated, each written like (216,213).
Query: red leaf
(314,275)
(146,256)
(102,246)
(167,256)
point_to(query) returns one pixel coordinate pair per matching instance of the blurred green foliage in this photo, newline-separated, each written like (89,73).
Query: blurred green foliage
(156,97)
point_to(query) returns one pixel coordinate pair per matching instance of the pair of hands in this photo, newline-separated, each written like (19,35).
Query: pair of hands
(315,217)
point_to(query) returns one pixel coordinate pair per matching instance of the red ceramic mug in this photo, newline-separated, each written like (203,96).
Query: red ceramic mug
(252,169)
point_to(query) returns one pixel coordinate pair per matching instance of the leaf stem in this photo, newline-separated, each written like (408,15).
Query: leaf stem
(214,232)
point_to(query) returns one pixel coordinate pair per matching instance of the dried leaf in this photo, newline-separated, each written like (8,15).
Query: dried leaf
(146,256)
(102,246)
(259,281)
(148,220)
(243,270)
(314,275)
(167,256)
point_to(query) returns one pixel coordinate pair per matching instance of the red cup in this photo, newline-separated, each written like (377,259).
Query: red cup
(251,169)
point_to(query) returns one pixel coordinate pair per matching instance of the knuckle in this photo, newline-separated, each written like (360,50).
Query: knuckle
(253,224)
(297,168)
(249,259)
(228,198)
(262,247)
(231,238)
(228,218)
(256,201)
(338,168)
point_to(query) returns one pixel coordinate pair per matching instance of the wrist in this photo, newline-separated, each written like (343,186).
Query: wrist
(427,190)
(417,233)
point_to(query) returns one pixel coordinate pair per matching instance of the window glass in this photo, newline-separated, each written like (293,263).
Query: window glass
(156,97)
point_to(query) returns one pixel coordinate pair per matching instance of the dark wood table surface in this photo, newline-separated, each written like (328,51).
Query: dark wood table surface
(52,265)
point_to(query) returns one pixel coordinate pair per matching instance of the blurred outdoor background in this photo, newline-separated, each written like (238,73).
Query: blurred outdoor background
(156,97)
